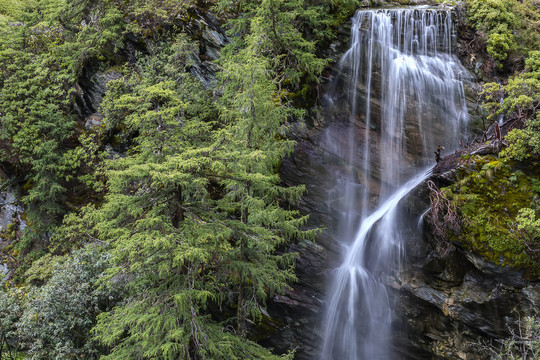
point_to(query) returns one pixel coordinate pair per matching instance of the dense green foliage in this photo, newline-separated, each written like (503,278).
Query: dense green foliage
(54,321)
(509,27)
(174,201)
(34,125)
(41,55)
(520,102)
(193,213)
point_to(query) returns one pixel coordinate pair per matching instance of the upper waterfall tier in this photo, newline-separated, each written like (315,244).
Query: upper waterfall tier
(400,78)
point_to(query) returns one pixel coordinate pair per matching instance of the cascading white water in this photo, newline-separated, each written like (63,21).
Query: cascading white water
(404,86)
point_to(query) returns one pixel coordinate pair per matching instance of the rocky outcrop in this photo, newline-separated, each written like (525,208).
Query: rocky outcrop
(448,306)
(297,314)
(453,306)
(91,89)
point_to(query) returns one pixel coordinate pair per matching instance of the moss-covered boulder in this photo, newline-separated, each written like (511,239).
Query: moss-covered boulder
(497,205)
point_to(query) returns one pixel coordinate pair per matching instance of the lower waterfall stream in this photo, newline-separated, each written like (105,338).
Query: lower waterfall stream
(403,88)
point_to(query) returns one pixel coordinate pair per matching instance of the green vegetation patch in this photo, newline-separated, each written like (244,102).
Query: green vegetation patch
(507,26)
(498,206)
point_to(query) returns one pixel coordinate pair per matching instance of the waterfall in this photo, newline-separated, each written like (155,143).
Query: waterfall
(401,89)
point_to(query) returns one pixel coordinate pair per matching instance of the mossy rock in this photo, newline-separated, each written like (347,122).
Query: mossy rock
(489,194)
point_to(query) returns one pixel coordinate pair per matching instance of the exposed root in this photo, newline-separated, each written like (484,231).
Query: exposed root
(444,218)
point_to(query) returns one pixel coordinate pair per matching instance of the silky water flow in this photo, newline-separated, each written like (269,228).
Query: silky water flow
(403,92)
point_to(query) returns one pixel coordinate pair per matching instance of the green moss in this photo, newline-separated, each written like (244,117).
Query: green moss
(489,195)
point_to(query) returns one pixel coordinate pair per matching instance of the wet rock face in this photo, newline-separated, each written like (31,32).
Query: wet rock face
(297,314)
(212,38)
